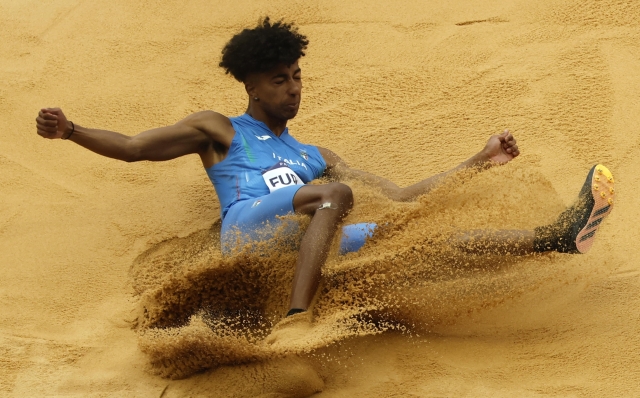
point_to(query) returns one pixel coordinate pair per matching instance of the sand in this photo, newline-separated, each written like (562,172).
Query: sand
(112,280)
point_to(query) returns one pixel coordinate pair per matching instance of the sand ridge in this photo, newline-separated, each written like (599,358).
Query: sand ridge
(88,243)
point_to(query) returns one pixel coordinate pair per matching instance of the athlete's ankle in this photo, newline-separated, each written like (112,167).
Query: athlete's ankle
(545,239)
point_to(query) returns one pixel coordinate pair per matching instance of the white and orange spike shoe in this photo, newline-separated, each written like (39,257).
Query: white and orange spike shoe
(574,231)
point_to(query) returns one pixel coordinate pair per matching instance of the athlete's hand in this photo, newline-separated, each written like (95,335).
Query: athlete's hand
(52,123)
(501,148)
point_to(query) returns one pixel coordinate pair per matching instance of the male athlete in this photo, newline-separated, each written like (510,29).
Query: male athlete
(261,172)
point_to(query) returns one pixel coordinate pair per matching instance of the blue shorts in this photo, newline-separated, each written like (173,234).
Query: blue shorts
(258,220)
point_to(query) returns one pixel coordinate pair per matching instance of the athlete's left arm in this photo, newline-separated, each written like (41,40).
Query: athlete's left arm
(500,149)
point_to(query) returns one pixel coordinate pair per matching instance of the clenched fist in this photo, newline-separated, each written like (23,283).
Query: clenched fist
(52,123)
(501,148)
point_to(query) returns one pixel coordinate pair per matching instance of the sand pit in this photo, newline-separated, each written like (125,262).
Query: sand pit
(112,280)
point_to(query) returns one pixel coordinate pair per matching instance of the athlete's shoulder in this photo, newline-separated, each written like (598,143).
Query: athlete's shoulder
(209,116)
(214,124)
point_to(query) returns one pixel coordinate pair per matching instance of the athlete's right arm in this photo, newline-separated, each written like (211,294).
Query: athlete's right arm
(193,134)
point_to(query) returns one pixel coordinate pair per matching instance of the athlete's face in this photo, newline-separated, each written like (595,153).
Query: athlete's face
(278,91)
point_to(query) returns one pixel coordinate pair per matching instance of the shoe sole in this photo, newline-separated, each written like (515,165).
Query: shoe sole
(603,196)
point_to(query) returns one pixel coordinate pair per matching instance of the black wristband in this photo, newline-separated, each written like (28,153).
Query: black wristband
(73,128)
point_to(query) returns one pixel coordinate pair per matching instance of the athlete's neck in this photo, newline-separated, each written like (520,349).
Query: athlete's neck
(276,125)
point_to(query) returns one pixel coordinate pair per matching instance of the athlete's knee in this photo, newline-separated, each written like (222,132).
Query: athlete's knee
(339,196)
(341,193)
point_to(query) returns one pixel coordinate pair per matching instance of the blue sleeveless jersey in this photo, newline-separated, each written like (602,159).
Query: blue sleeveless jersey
(255,150)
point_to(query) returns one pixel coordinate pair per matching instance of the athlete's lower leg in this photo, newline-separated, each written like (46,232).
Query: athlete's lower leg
(328,205)
(572,232)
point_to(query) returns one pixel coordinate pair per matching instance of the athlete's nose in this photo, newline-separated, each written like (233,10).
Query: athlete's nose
(295,88)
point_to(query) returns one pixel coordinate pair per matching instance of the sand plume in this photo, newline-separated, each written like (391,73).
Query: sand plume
(200,310)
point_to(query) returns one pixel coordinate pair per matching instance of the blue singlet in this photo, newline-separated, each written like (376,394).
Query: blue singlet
(258,179)
(253,151)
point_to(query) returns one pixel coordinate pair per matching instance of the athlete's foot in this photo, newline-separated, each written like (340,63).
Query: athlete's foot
(574,231)
(290,330)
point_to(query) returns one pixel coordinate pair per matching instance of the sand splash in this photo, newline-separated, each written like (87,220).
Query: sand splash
(200,310)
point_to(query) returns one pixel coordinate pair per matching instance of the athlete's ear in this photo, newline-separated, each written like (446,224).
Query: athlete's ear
(250,86)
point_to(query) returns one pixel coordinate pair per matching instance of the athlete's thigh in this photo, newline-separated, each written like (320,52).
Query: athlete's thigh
(253,213)
(258,220)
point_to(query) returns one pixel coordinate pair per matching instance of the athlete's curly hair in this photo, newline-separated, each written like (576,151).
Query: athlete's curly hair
(262,48)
